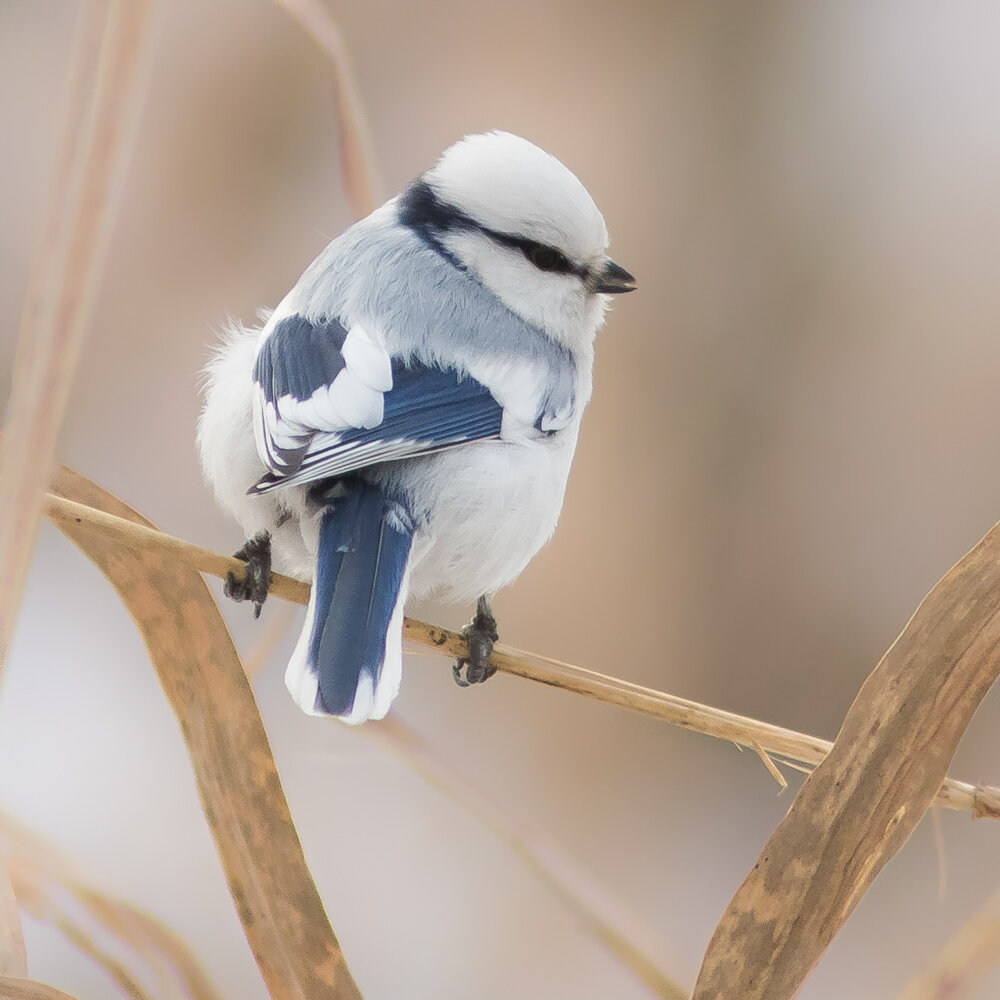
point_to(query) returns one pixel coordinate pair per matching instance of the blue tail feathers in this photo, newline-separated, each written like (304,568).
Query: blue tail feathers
(352,653)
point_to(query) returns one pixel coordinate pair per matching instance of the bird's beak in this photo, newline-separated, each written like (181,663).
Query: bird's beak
(613,279)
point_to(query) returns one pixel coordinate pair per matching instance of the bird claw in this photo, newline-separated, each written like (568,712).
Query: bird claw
(481,635)
(256,580)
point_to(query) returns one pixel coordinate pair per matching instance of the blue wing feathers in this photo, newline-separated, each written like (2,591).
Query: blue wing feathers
(432,405)
(364,546)
(298,357)
(427,409)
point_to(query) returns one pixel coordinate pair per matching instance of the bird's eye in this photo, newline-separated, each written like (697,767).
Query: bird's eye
(546,258)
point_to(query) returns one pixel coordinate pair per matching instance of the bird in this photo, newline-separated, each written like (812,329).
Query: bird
(403,422)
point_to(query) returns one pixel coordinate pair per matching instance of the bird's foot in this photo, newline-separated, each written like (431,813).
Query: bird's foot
(481,634)
(256,579)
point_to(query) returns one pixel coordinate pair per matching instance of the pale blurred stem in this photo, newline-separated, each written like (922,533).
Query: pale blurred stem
(964,962)
(786,744)
(13,959)
(62,278)
(617,930)
(101,119)
(357,161)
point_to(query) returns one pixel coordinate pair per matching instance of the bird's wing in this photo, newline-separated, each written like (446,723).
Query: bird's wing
(331,400)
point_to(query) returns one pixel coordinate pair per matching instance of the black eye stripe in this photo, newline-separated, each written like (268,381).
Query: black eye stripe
(422,211)
(543,256)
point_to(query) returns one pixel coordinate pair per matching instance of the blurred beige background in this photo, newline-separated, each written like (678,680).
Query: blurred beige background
(793,434)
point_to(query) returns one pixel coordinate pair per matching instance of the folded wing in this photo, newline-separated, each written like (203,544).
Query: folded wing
(331,400)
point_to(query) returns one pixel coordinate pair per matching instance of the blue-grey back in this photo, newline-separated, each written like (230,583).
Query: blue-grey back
(382,275)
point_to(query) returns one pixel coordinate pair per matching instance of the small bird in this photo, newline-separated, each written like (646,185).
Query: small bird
(405,419)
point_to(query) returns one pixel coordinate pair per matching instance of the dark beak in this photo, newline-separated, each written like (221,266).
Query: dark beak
(613,280)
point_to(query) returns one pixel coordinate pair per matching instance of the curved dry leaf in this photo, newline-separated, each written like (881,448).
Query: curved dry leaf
(15,988)
(200,672)
(865,799)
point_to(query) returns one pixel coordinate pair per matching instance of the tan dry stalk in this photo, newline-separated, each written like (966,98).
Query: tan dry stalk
(357,161)
(964,962)
(980,800)
(200,671)
(90,165)
(861,803)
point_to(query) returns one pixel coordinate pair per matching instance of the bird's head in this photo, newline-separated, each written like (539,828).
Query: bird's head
(515,217)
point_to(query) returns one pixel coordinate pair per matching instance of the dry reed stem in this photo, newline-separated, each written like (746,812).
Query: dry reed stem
(90,166)
(201,674)
(964,962)
(789,746)
(34,898)
(860,805)
(357,161)
(17,988)
(20,496)
(49,887)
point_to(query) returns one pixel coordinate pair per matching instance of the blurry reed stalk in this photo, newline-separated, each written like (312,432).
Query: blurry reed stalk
(49,888)
(618,930)
(964,962)
(98,120)
(101,117)
(357,159)
(786,745)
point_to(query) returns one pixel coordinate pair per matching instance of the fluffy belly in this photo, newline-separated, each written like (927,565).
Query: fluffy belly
(483,511)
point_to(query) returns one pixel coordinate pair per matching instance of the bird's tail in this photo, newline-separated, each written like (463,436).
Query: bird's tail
(348,660)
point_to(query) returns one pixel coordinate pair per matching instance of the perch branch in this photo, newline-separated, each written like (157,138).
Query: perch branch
(795,747)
